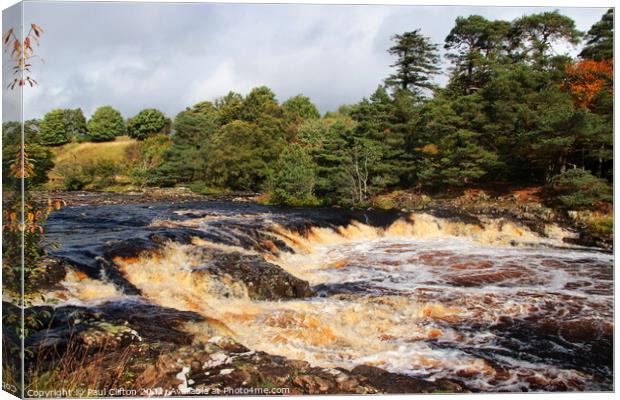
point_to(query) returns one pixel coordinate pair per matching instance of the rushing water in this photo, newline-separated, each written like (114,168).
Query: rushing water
(424,296)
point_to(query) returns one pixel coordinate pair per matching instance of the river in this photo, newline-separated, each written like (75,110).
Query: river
(489,303)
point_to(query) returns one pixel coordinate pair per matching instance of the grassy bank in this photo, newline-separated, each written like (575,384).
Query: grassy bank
(71,157)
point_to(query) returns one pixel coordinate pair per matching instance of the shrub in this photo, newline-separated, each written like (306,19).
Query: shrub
(73,178)
(578,189)
(93,175)
(105,124)
(146,123)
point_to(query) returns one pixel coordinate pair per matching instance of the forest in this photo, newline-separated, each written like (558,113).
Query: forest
(515,111)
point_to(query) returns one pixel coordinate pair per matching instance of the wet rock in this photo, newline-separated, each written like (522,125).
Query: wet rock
(264,281)
(112,324)
(388,382)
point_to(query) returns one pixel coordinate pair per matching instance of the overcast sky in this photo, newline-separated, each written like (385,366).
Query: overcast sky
(170,56)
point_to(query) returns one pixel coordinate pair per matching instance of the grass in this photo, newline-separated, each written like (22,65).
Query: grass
(87,153)
(603,225)
(81,372)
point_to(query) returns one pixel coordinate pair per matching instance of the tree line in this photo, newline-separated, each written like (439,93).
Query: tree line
(514,111)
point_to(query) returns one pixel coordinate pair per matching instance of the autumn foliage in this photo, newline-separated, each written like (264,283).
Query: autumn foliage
(587,78)
(22,53)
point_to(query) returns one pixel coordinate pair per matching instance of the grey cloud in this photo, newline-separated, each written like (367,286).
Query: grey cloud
(170,56)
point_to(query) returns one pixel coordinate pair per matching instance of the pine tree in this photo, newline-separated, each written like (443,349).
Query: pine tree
(600,39)
(416,62)
(293,178)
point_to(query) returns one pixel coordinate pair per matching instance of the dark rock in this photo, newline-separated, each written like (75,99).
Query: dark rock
(389,382)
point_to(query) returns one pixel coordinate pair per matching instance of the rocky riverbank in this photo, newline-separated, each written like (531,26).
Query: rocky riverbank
(150,344)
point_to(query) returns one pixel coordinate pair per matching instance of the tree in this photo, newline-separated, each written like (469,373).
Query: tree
(600,39)
(360,179)
(300,107)
(466,40)
(105,124)
(53,131)
(75,124)
(229,107)
(378,124)
(327,140)
(239,157)
(261,100)
(537,32)
(12,132)
(146,123)
(416,62)
(147,156)
(452,148)
(293,178)
(193,129)
(475,45)
(586,79)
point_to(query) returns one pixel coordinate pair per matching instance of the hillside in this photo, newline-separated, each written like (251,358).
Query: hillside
(69,156)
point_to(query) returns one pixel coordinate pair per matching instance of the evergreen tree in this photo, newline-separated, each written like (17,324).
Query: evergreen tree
(293,178)
(476,45)
(229,107)
(377,125)
(452,149)
(105,124)
(185,160)
(536,33)
(327,140)
(416,62)
(600,39)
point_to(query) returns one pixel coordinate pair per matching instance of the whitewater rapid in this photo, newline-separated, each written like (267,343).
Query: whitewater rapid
(493,305)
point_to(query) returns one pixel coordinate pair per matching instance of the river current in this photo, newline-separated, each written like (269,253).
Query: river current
(492,305)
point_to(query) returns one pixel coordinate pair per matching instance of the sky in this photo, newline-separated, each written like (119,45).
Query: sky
(170,56)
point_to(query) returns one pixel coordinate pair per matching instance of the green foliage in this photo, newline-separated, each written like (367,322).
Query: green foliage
(12,130)
(92,175)
(75,124)
(300,107)
(578,189)
(146,123)
(293,178)
(453,151)
(53,132)
(600,39)
(146,157)
(203,188)
(326,140)
(259,102)
(475,45)
(105,124)
(416,61)
(193,128)
(509,114)
(535,34)
(240,154)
